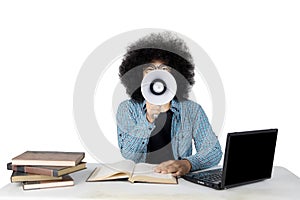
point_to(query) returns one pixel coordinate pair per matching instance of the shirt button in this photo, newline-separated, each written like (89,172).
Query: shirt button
(120,134)
(150,128)
(143,142)
(179,158)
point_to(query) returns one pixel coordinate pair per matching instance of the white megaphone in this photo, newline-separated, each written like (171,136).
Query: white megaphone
(159,87)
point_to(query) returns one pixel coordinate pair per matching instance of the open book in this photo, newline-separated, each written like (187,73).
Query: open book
(140,172)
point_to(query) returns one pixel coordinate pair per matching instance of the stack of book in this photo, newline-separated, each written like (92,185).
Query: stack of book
(45,169)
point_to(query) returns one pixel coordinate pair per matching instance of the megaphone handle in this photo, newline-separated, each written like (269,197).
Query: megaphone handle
(153,111)
(155,116)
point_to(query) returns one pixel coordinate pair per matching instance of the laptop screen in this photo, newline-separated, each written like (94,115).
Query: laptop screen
(249,157)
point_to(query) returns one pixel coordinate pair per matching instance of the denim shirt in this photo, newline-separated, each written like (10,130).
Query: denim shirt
(189,123)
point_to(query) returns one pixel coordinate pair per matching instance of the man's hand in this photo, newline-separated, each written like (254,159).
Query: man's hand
(176,167)
(154,110)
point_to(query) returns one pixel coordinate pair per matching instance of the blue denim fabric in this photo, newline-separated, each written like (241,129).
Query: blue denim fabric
(189,123)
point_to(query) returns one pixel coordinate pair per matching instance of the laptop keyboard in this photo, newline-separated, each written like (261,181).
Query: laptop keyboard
(209,176)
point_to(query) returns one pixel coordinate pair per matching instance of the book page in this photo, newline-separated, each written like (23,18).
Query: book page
(121,166)
(144,170)
(121,169)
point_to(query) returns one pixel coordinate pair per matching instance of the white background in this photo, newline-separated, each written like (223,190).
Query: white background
(254,45)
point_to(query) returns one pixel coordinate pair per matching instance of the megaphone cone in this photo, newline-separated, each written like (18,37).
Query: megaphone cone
(159,87)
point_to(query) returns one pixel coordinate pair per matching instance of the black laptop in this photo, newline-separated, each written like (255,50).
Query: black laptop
(248,158)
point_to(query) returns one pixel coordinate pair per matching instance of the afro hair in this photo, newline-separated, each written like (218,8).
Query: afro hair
(166,47)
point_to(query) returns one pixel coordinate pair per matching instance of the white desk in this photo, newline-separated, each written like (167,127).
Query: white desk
(283,185)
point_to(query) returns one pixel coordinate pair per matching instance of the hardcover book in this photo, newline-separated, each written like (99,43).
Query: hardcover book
(141,172)
(46,170)
(20,177)
(65,181)
(48,158)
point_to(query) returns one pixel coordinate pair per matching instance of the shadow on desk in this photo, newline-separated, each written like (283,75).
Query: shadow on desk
(282,185)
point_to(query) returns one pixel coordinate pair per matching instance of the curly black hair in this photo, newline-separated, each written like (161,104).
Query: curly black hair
(166,47)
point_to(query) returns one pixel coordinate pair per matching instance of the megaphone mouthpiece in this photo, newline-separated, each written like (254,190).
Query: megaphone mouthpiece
(158,87)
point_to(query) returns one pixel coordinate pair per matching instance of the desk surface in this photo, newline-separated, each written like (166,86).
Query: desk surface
(282,185)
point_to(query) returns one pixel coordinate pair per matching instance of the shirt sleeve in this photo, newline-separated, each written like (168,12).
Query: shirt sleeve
(208,149)
(133,131)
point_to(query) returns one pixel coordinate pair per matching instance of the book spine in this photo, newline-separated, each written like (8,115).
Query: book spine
(33,170)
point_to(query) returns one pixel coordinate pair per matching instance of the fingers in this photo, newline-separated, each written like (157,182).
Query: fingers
(163,166)
(178,173)
(154,110)
(168,170)
(175,167)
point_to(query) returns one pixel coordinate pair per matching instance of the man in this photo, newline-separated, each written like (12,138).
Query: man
(164,134)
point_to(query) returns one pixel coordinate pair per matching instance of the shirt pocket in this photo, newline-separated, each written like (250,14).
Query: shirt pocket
(185,138)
